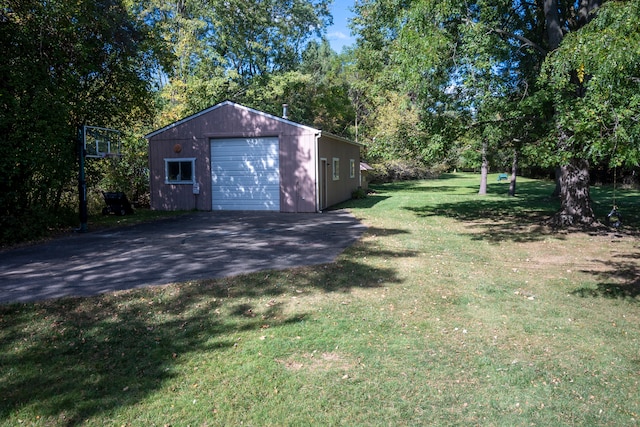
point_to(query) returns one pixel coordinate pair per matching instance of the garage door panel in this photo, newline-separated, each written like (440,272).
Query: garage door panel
(266,183)
(240,176)
(249,193)
(231,169)
(254,166)
(246,206)
(245,174)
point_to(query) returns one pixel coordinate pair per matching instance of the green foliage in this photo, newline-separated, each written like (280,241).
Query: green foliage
(396,126)
(230,49)
(460,77)
(359,193)
(64,64)
(400,170)
(594,84)
(316,91)
(128,173)
(501,74)
(324,102)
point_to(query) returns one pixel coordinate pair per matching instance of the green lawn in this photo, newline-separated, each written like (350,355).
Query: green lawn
(453,309)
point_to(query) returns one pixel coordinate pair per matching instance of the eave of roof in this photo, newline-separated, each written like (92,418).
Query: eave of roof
(340,138)
(365,166)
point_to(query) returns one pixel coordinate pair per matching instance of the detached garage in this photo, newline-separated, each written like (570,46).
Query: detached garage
(231,157)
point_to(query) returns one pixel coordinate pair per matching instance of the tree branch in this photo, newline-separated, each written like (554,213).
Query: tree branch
(524,40)
(505,120)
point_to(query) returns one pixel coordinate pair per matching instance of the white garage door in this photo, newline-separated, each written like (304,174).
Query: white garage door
(245,173)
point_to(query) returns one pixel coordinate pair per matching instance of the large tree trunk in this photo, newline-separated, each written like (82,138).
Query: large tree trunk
(575,209)
(553,24)
(558,174)
(572,180)
(514,173)
(554,37)
(586,11)
(484,170)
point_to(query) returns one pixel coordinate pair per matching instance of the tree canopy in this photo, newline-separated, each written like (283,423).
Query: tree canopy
(593,80)
(64,64)
(555,81)
(223,49)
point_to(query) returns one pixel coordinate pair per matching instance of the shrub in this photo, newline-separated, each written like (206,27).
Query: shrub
(33,225)
(399,170)
(359,193)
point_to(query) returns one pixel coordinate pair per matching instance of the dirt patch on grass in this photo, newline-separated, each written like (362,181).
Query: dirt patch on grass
(582,252)
(317,362)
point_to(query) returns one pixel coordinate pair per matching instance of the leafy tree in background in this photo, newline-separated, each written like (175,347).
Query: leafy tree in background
(316,91)
(129,172)
(64,64)
(503,73)
(322,100)
(593,82)
(228,49)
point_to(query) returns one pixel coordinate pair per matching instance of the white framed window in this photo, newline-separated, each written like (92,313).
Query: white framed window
(335,168)
(180,171)
(352,168)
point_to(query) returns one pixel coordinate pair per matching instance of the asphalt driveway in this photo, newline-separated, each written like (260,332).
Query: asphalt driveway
(195,246)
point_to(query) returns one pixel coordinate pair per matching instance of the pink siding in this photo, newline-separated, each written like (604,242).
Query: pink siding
(298,159)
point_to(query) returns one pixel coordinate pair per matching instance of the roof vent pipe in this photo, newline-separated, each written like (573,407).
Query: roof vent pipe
(285,111)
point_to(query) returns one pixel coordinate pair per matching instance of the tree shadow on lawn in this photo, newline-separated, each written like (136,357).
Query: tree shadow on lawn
(75,358)
(628,203)
(524,217)
(519,219)
(537,188)
(377,231)
(423,186)
(621,280)
(342,276)
(370,201)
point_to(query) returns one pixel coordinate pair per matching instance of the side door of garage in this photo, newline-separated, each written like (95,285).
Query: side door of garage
(245,174)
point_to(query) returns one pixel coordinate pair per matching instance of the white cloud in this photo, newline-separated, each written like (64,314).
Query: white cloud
(337,35)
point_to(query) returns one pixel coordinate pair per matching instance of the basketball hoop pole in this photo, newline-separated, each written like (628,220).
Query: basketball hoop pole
(82,182)
(96,152)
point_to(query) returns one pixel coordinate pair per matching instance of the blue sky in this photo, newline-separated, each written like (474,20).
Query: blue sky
(339,34)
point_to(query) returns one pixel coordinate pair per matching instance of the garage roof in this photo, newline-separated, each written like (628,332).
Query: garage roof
(251,110)
(220,105)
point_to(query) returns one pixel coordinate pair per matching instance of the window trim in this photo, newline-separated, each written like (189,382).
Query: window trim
(352,168)
(190,181)
(335,168)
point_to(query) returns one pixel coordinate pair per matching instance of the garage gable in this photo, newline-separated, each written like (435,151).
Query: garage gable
(245,173)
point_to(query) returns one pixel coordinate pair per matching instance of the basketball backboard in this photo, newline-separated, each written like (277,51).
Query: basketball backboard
(100,142)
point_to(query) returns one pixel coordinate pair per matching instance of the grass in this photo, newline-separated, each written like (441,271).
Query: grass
(453,309)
